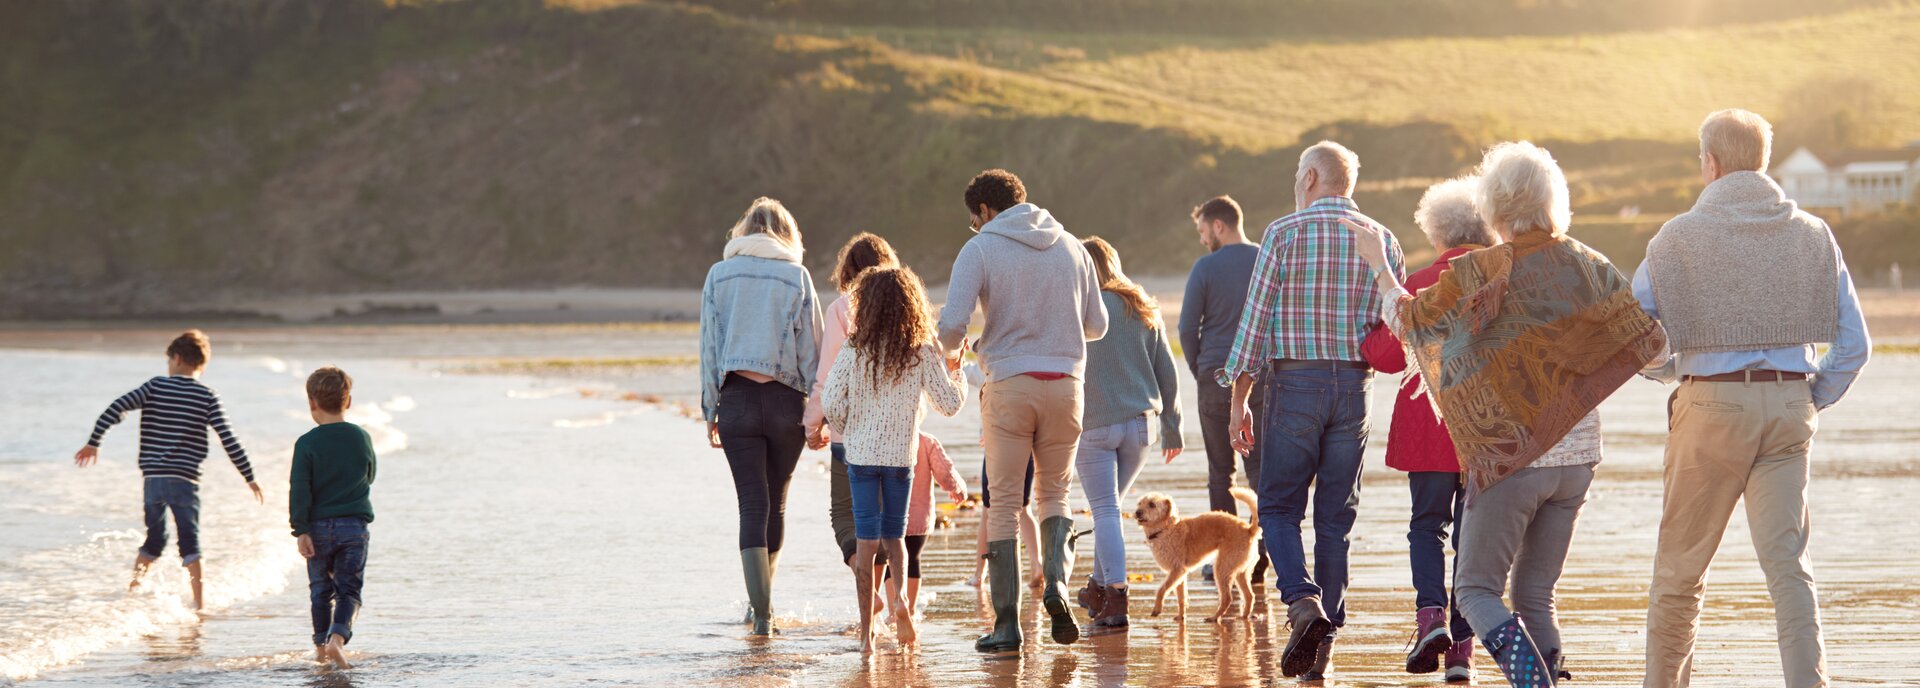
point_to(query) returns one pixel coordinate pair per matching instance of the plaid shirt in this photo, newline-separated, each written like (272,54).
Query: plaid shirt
(1312,296)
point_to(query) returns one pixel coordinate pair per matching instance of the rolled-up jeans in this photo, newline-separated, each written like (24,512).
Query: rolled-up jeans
(182,497)
(335,575)
(1316,431)
(1109,458)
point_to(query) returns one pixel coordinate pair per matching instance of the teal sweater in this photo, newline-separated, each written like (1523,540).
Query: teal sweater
(1130,371)
(333,467)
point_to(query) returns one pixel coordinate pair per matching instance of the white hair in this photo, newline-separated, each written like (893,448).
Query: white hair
(1522,189)
(770,217)
(1448,217)
(1339,168)
(1739,140)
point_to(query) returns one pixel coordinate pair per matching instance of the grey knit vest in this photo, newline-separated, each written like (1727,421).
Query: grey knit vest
(1745,270)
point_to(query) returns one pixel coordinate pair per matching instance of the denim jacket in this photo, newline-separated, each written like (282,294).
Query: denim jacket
(757,314)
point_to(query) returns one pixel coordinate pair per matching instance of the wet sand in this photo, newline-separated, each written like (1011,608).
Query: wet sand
(645,590)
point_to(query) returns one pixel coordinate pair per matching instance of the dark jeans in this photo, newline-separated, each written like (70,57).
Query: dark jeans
(1026,492)
(1216,419)
(840,503)
(1316,430)
(761,434)
(1216,414)
(1438,499)
(183,498)
(335,574)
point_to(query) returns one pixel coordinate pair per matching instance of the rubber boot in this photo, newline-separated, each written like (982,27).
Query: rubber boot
(1003,580)
(758,569)
(1056,556)
(1519,659)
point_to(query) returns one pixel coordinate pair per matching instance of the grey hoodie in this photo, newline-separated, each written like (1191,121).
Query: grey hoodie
(1039,290)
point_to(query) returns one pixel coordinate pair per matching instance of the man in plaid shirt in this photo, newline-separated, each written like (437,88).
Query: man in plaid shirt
(1311,303)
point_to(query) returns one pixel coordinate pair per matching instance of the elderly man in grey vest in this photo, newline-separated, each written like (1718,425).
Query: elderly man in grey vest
(1745,284)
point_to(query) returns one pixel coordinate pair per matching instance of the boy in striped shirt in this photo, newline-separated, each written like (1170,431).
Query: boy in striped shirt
(175,412)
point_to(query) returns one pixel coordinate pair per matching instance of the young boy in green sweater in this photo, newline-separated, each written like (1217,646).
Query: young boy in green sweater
(329,505)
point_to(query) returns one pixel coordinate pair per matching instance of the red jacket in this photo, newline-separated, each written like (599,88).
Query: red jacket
(1416,441)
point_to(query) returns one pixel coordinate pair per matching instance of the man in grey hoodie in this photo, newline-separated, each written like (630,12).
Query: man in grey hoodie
(1042,303)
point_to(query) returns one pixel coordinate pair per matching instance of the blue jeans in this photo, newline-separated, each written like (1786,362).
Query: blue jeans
(335,574)
(879,500)
(1108,460)
(1438,499)
(183,498)
(1315,432)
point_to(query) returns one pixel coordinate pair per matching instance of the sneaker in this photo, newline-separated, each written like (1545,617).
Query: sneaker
(1460,661)
(1310,626)
(1430,640)
(1322,660)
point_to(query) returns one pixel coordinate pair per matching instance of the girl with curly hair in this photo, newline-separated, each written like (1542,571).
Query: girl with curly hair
(890,364)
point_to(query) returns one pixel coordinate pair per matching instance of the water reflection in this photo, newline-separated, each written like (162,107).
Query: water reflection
(174,643)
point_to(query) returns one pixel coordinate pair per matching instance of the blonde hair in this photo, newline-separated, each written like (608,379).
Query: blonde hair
(1106,265)
(1739,140)
(768,216)
(1522,189)
(1339,167)
(1448,217)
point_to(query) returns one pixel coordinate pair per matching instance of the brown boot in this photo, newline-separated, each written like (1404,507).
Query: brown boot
(1091,597)
(1112,614)
(1310,626)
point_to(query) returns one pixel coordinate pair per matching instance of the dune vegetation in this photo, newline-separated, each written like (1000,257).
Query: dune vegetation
(163,157)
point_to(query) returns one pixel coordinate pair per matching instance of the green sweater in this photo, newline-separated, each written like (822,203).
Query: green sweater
(333,469)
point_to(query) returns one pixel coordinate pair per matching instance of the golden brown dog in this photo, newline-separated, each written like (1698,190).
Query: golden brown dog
(1181,544)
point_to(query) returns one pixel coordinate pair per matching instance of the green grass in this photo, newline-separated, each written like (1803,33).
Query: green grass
(1640,85)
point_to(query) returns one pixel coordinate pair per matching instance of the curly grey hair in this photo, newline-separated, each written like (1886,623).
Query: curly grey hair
(1448,217)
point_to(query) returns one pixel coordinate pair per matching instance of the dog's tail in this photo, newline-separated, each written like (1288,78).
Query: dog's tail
(1247,497)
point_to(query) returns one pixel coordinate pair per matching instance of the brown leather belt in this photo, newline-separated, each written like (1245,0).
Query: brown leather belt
(1283,364)
(1749,376)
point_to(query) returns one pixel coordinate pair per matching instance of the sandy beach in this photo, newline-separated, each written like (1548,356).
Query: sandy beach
(532,499)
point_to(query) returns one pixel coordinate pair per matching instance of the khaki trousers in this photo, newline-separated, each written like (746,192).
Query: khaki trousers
(1024,416)
(1729,440)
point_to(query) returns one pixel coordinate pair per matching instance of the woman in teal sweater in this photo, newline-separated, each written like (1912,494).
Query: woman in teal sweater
(1130,381)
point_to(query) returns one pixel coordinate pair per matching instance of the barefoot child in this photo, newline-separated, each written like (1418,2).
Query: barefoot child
(889,365)
(329,506)
(175,412)
(933,467)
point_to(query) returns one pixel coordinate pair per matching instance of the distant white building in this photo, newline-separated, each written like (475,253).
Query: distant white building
(1846,182)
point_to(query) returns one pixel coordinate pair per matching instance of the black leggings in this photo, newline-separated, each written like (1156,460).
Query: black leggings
(761,434)
(914,543)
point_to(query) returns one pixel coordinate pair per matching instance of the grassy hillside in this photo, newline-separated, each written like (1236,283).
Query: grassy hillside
(156,155)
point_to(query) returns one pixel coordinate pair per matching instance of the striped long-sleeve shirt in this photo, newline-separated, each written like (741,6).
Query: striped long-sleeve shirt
(175,413)
(1312,296)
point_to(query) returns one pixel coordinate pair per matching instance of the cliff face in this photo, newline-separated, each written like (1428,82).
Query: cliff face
(157,155)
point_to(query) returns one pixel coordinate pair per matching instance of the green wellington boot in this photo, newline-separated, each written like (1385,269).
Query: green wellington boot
(758,569)
(1003,580)
(1056,556)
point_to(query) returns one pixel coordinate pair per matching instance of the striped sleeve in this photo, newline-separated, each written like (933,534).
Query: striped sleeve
(117,411)
(217,418)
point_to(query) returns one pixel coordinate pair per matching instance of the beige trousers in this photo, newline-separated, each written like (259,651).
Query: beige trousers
(1729,440)
(1024,416)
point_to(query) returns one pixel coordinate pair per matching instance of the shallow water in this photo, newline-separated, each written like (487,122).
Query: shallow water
(546,532)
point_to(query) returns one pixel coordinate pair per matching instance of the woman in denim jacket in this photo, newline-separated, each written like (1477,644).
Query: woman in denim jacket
(759,348)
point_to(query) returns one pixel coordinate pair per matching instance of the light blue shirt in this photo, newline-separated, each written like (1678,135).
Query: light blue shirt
(1832,373)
